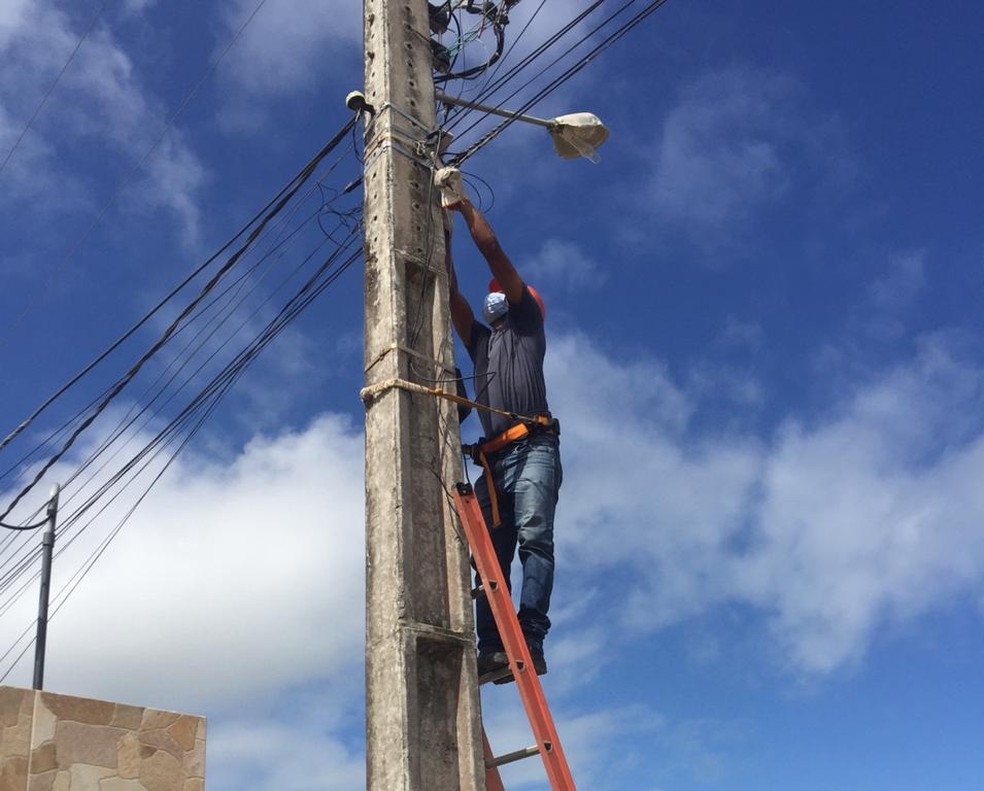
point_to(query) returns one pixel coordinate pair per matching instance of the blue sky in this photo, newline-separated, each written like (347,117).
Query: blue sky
(764,347)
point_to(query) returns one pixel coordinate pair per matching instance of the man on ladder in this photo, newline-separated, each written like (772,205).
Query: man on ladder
(520,453)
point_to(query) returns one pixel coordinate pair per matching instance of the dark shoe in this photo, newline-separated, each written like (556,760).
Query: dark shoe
(492,662)
(539,662)
(539,665)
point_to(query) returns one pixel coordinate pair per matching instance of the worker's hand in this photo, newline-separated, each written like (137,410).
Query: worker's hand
(448,181)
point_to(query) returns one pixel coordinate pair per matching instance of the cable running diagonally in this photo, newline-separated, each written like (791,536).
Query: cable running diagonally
(128,178)
(51,88)
(232,371)
(157,308)
(562,78)
(231,262)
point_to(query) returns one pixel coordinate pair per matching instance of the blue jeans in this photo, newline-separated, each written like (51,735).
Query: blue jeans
(527,477)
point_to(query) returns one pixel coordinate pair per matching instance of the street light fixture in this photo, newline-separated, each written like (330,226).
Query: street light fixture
(574,135)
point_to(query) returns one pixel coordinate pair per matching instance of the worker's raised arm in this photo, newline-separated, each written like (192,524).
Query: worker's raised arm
(461,313)
(488,245)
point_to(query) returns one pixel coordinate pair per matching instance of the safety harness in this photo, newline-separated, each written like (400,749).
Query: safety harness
(479,452)
(524,426)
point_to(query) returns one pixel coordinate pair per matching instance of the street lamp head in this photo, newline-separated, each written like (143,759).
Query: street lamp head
(578,135)
(574,135)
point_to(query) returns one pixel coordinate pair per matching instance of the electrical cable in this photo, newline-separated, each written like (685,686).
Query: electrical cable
(213,281)
(563,77)
(128,178)
(497,15)
(298,302)
(501,81)
(212,313)
(190,419)
(517,39)
(24,527)
(79,415)
(201,338)
(352,230)
(157,308)
(51,88)
(210,397)
(532,56)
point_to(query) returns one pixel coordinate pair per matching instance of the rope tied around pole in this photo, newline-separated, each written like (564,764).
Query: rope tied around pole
(370,393)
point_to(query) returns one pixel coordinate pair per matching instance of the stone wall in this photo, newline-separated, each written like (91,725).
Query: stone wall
(58,743)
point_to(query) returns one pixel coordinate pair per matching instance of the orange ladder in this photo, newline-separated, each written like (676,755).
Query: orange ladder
(520,663)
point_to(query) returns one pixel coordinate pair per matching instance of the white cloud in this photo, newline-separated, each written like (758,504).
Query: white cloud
(100,107)
(287,45)
(901,283)
(874,516)
(135,7)
(719,150)
(891,295)
(563,264)
(13,14)
(864,517)
(243,579)
(732,146)
(232,582)
(268,755)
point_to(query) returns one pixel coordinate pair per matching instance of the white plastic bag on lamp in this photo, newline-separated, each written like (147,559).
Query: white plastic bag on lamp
(578,135)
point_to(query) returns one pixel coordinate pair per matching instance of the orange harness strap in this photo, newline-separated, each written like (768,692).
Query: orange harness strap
(498,442)
(479,452)
(511,434)
(483,460)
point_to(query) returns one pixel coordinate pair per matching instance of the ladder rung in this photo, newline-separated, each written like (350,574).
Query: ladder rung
(518,755)
(480,590)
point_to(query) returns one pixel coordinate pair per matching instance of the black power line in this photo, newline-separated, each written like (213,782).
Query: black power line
(121,383)
(51,88)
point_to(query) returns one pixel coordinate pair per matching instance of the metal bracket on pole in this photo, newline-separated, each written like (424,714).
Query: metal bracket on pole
(486,108)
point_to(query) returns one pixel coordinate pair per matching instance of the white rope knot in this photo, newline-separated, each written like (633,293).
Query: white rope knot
(372,392)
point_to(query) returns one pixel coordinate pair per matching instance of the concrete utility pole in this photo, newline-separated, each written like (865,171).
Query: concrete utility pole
(422,707)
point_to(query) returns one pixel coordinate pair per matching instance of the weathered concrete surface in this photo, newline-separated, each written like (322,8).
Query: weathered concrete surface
(423,730)
(52,742)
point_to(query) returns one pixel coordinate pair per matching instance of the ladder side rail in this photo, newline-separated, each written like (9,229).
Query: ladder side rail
(493,780)
(520,661)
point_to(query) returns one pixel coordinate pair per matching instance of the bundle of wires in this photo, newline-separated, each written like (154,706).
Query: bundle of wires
(546,67)
(224,314)
(215,323)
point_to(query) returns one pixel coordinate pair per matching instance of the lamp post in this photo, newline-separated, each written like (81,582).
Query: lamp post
(574,135)
(48,547)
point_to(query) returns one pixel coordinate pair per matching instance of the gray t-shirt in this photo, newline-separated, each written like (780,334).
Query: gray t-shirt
(509,365)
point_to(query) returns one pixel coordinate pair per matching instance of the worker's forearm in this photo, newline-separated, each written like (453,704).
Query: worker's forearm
(488,245)
(479,228)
